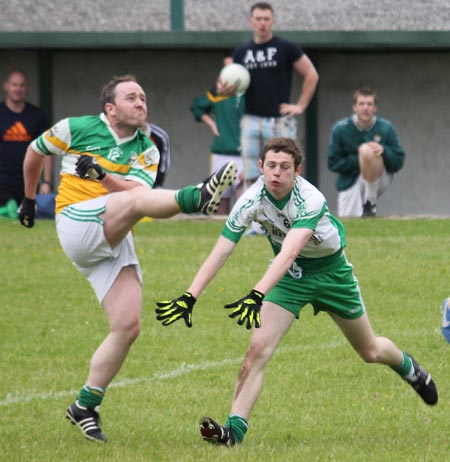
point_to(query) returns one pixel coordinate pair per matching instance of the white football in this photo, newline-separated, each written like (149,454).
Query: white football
(236,75)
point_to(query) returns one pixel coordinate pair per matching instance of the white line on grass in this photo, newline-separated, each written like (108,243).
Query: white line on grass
(184,369)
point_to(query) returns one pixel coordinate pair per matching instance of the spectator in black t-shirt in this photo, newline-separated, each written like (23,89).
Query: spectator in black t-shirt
(20,123)
(268,111)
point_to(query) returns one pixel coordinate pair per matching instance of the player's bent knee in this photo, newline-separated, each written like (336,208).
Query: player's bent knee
(128,331)
(365,151)
(132,333)
(370,355)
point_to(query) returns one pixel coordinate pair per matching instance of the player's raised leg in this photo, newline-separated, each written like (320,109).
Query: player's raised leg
(126,208)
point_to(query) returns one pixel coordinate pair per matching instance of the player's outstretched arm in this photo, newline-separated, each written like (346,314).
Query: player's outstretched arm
(169,311)
(247,309)
(210,267)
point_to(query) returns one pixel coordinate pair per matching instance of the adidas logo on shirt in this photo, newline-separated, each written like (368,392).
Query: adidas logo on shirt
(17,133)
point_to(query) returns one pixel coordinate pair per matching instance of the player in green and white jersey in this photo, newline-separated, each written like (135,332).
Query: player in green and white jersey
(309,267)
(109,167)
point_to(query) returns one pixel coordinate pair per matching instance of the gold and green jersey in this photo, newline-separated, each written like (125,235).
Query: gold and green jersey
(133,158)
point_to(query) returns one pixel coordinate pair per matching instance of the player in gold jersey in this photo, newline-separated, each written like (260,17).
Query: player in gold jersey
(108,169)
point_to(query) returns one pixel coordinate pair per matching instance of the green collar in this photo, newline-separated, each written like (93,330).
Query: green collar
(279,204)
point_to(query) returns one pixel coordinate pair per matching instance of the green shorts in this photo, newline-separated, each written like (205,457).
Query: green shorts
(334,289)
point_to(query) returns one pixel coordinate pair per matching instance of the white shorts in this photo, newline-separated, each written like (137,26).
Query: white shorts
(80,232)
(350,201)
(255,132)
(218,161)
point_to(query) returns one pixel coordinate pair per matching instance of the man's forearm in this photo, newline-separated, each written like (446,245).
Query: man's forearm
(32,168)
(308,89)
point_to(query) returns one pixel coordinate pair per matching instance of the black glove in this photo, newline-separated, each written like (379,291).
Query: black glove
(27,212)
(248,309)
(88,167)
(170,311)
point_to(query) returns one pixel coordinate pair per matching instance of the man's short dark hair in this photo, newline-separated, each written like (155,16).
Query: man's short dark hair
(365,91)
(108,94)
(16,71)
(261,6)
(287,145)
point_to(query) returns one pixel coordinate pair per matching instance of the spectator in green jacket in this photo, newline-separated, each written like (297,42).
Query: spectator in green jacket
(365,152)
(223,116)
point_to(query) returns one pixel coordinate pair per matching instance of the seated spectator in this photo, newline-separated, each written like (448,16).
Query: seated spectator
(365,152)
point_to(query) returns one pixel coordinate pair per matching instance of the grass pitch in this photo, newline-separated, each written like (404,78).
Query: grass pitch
(320,402)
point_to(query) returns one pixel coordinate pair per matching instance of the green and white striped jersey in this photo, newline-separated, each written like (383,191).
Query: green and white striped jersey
(304,207)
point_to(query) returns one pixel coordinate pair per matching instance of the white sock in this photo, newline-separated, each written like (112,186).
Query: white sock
(371,191)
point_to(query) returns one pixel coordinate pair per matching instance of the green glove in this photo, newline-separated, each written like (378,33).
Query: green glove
(248,308)
(170,311)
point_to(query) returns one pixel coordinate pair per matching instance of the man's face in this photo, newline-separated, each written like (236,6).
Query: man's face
(129,108)
(365,109)
(16,87)
(279,173)
(261,22)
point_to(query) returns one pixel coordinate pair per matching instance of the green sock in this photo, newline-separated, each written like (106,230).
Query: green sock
(188,199)
(91,396)
(239,426)
(405,368)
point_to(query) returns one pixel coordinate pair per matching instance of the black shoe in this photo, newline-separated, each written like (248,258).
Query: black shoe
(369,209)
(216,434)
(87,420)
(212,188)
(423,383)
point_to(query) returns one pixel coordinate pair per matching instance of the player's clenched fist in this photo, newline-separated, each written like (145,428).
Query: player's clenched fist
(27,212)
(88,167)
(169,311)
(248,308)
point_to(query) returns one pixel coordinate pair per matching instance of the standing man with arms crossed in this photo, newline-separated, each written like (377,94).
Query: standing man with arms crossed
(20,123)
(310,266)
(365,152)
(108,169)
